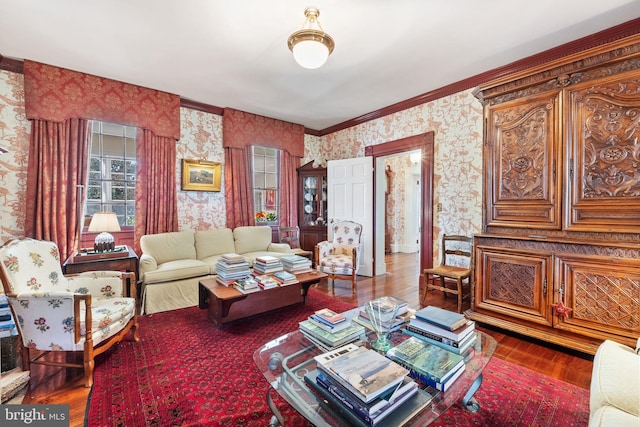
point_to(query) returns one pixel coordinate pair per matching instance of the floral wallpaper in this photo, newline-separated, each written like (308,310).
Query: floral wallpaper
(14,137)
(200,138)
(456,121)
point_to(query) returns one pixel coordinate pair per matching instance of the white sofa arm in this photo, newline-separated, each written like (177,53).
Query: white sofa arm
(147,263)
(280,247)
(615,380)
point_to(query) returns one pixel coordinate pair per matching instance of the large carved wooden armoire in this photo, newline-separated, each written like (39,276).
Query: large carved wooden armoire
(559,255)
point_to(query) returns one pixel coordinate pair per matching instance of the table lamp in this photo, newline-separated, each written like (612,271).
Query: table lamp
(104,223)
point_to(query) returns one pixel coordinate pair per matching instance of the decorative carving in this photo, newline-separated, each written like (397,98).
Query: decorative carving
(512,283)
(610,151)
(607,299)
(554,79)
(523,153)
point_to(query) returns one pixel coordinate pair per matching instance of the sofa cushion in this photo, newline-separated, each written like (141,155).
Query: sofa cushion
(614,380)
(176,270)
(169,246)
(214,242)
(251,238)
(211,261)
(612,417)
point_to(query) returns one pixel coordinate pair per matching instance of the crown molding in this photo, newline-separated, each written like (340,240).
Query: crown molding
(609,35)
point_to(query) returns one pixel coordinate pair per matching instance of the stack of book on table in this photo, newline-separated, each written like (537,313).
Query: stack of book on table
(285,278)
(296,264)
(329,330)
(366,388)
(427,363)
(231,267)
(7,325)
(404,313)
(443,328)
(265,281)
(267,264)
(246,285)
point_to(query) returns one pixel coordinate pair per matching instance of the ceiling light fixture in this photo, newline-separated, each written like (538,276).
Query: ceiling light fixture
(311,46)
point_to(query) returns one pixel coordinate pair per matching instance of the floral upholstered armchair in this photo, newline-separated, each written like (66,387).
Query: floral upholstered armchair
(340,258)
(86,313)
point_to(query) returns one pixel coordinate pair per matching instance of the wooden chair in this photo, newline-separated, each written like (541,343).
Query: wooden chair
(457,264)
(84,313)
(291,236)
(340,258)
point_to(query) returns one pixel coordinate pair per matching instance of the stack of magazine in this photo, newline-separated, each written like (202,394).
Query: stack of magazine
(366,388)
(328,335)
(231,267)
(296,264)
(7,325)
(267,264)
(443,328)
(402,317)
(427,363)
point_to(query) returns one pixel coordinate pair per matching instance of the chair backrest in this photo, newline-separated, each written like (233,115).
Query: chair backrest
(29,265)
(457,250)
(290,236)
(346,234)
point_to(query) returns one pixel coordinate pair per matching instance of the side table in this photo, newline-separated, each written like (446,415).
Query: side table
(127,262)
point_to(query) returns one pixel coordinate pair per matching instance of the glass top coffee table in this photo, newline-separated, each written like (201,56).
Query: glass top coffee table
(285,360)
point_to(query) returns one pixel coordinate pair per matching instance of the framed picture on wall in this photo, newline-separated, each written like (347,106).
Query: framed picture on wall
(201,175)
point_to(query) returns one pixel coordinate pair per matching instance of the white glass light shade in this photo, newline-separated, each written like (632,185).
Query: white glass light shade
(310,54)
(311,46)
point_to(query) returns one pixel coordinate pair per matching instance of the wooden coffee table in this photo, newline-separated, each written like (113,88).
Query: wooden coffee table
(226,304)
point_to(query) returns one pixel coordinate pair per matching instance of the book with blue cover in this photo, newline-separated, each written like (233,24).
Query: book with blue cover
(445,319)
(427,359)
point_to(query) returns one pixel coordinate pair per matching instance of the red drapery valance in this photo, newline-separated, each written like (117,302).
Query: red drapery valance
(57,94)
(243,129)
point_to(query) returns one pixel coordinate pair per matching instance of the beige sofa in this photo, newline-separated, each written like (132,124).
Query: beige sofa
(172,264)
(615,386)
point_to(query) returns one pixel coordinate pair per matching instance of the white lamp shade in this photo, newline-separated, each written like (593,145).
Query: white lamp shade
(104,221)
(310,54)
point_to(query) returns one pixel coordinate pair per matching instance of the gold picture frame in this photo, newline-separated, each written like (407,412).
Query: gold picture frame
(201,175)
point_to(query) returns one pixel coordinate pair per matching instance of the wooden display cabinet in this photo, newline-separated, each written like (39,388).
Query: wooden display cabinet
(312,205)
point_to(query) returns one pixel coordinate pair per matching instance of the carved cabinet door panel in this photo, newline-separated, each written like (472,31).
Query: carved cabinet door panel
(603,155)
(521,163)
(514,283)
(602,293)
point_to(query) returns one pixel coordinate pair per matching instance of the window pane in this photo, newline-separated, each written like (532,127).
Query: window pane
(258,180)
(112,171)
(271,181)
(271,165)
(117,193)
(258,164)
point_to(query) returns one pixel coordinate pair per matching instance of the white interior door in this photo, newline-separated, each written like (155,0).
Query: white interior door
(350,197)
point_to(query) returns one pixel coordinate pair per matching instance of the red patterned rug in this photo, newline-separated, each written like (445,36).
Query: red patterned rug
(186,372)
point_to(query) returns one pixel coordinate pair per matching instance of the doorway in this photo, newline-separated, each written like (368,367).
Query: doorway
(424,143)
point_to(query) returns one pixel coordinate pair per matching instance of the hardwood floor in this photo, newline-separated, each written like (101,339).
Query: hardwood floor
(55,385)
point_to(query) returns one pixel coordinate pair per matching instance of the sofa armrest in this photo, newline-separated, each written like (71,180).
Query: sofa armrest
(280,247)
(614,380)
(146,263)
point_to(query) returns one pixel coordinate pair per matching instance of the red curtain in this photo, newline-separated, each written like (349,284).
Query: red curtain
(156,203)
(241,130)
(238,193)
(54,94)
(58,159)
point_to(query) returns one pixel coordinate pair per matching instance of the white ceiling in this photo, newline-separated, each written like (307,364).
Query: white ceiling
(234,53)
